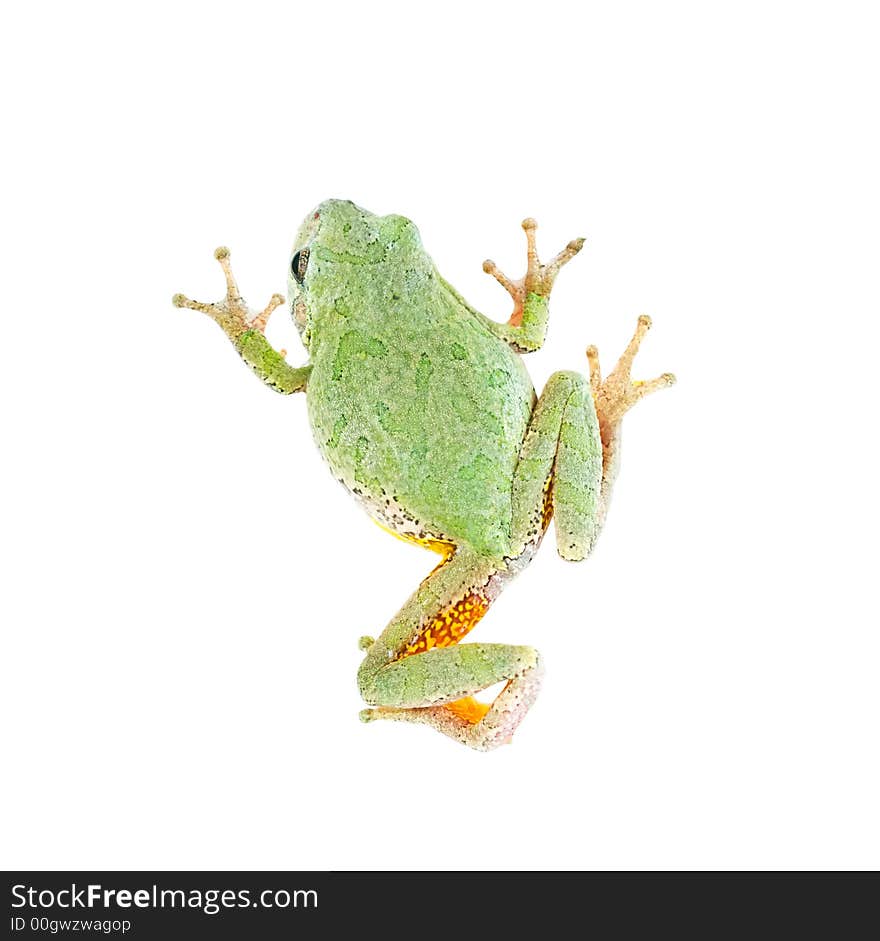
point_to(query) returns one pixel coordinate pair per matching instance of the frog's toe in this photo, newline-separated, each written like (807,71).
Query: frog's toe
(514,288)
(365,642)
(616,394)
(538,278)
(181,300)
(259,322)
(232,313)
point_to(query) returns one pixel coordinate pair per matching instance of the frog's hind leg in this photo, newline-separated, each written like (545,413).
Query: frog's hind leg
(416,671)
(571,452)
(614,395)
(559,471)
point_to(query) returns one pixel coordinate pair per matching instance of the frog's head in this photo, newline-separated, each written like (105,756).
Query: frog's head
(343,256)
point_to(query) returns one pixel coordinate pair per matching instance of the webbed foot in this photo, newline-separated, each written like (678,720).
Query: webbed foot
(538,278)
(615,395)
(232,313)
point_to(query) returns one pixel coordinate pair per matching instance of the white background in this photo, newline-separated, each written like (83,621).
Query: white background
(185,582)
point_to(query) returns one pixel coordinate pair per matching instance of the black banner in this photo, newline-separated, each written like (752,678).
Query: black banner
(269,905)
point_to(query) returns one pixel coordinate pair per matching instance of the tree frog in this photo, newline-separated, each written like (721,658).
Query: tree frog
(424,411)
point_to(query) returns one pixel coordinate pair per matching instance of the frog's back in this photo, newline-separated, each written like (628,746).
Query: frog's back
(418,409)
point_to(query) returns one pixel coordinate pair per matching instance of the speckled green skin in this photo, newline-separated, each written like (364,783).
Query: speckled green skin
(419,410)
(424,411)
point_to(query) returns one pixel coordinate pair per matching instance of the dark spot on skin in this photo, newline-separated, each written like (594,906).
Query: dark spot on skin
(316,215)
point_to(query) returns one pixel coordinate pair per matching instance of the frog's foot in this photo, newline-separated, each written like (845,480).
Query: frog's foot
(615,395)
(538,278)
(479,725)
(464,712)
(232,314)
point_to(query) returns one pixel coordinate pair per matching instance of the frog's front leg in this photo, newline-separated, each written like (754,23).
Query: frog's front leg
(527,326)
(246,331)
(416,671)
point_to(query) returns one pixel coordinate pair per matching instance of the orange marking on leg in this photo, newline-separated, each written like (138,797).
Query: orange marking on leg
(450,626)
(469,709)
(516,317)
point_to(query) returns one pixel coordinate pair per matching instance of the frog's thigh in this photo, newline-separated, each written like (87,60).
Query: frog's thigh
(559,472)
(416,671)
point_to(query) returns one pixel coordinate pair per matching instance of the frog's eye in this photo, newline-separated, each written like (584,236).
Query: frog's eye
(299,263)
